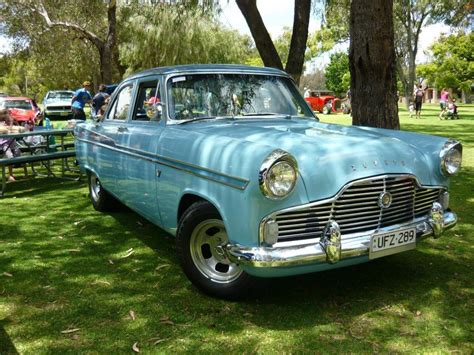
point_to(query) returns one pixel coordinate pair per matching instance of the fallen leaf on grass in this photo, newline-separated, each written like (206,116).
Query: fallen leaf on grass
(159,341)
(7,274)
(73,250)
(135,348)
(69,331)
(96,282)
(166,320)
(132,315)
(418,313)
(77,223)
(128,253)
(158,268)
(111,262)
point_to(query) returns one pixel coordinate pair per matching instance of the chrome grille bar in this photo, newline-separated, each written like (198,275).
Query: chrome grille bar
(356,209)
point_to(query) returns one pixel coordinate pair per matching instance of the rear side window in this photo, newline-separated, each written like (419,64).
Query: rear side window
(147,96)
(121,106)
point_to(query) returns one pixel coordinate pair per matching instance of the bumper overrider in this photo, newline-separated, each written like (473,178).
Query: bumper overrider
(332,247)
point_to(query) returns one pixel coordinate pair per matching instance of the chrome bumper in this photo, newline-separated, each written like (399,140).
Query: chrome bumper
(348,246)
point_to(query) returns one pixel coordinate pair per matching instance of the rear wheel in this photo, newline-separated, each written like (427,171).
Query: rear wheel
(201,240)
(101,199)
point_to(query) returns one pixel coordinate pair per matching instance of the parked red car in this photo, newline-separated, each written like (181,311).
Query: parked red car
(23,110)
(323,102)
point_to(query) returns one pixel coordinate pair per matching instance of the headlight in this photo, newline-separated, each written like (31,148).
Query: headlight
(451,157)
(278,175)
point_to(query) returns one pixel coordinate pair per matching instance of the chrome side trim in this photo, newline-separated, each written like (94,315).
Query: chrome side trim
(311,253)
(237,183)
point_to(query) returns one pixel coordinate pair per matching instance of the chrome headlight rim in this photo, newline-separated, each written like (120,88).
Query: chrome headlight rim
(448,147)
(275,157)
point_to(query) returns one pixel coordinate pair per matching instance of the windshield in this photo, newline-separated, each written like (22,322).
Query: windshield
(21,104)
(200,96)
(59,95)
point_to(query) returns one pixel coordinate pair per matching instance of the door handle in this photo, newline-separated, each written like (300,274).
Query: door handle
(122,129)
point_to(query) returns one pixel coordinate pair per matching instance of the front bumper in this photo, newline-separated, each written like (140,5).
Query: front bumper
(348,246)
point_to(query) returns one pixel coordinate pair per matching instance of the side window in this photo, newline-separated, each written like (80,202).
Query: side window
(148,95)
(121,105)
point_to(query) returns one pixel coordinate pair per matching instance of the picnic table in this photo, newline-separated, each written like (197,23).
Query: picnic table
(43,152)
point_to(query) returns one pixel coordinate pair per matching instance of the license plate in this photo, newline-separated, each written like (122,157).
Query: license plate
(392,242)
(64,113)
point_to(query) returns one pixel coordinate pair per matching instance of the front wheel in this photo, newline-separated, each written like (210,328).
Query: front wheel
(201,240)
(326,110)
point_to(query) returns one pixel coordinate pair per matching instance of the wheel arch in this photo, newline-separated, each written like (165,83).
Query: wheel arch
(187,199)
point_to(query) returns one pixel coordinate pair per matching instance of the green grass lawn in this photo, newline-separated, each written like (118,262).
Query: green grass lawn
(67,284)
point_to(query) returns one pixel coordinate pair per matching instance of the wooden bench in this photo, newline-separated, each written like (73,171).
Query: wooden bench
(4,162)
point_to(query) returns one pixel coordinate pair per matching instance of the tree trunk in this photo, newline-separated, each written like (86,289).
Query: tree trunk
(105,65)
(260,35)
(299,37)
(372,64)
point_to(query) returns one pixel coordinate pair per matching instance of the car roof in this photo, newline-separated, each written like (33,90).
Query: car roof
(60,91)
(196,68)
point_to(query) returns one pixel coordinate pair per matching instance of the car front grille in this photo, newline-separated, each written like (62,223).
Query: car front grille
(58,108)
(356,208)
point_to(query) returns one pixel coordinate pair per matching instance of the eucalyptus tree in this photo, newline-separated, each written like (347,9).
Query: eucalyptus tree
(263,41)
(372,64)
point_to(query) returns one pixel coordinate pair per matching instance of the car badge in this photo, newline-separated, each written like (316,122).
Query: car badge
(385,199)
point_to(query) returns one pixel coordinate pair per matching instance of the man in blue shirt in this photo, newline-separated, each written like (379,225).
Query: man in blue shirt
(79,100)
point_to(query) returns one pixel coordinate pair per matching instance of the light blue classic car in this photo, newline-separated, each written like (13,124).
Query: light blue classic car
(231,160)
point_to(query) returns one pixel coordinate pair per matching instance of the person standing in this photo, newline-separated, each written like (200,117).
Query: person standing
(79,100)
(443,100)
(419,92)
(99,99)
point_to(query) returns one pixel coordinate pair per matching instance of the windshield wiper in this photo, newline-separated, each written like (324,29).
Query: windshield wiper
(205,118)
(261,114)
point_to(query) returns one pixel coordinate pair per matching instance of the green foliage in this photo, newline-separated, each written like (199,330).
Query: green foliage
(453,62)
(160,35)
(337,73)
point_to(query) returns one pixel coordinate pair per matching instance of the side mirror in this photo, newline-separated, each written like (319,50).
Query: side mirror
(154,111)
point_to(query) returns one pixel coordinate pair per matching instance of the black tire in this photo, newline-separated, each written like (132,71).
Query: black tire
(326,110)
(101,199)
(202,216)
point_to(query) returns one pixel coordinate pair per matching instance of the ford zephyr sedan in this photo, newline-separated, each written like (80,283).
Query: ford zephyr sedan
(233,163)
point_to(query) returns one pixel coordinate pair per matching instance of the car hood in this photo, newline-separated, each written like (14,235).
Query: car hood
(57,102)
(330,155)
(21,115)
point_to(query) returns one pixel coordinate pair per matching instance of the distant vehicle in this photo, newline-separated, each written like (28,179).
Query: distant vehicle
(324,102)
(23,110)
(57,104)
(3,94)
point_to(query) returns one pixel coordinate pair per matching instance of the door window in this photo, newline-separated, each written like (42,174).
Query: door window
(121,105)
(148,95)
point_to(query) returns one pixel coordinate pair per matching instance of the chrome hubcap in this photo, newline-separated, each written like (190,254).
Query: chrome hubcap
(95,187)
(207,245)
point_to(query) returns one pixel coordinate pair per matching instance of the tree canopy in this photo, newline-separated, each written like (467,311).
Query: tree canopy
(337,73)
